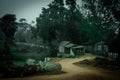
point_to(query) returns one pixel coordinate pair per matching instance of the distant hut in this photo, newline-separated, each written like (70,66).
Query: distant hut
(100,48)
(69,48)
(62,46)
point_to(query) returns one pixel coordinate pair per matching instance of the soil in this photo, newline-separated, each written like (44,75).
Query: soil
(74,72)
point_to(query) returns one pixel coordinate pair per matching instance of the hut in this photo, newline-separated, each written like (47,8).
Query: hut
(100,48)
(78,50)
(67,47)
(62,46)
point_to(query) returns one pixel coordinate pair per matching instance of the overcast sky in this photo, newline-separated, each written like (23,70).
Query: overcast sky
(29,9)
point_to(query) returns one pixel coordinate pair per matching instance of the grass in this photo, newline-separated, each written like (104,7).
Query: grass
(19,59)
(25,56)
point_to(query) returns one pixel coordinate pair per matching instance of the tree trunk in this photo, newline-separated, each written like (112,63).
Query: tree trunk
(118,58)
(6,48)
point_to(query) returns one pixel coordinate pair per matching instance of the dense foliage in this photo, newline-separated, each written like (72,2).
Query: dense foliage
(66,21)
(7,29)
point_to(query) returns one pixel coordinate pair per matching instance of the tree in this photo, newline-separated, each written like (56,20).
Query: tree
(8,27)
(20,34)
(49,23)
(114,7)
(106,13)
(22,20)
(74,27)
(58,23)
(2,36)
(100,19)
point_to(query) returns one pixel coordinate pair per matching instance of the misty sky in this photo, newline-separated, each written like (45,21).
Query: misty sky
(29,9)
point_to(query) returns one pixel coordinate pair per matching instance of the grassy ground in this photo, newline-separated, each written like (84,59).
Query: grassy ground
(19,59)
(73,72)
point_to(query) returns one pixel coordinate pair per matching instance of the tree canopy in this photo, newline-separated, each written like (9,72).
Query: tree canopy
(8,27)
(64,21)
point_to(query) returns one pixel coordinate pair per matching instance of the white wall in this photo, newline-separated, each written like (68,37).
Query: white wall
(61,49)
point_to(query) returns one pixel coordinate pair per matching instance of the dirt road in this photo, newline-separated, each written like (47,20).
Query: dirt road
(73,72)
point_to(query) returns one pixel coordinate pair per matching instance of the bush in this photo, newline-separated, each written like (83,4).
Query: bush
(41,64)
(58,67)
(50,67)
(10,69)
(30,62)
(29,69)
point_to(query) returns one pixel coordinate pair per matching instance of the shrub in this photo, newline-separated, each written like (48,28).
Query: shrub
(58,67)
(50,67)
(29,69)
(41,64)
(30,62)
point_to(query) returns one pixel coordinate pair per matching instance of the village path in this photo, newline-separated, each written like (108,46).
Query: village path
(73,72)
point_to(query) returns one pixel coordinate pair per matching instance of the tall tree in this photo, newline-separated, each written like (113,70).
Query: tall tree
(49,23)
(114,7)
(74,27)
(23,27)
(106,13)
(57,23)
(101,19)
(8,27)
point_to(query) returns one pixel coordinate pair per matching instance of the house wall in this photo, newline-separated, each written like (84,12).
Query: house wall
(72,52)
(100,49)
(61,49)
